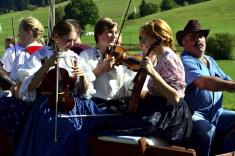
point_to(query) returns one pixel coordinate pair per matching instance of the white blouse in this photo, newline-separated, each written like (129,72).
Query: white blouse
(20,60)
(112,84)
(34,63)
(9,57)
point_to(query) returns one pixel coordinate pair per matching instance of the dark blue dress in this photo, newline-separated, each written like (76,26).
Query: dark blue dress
(38,136)
(13,115)
(154,117)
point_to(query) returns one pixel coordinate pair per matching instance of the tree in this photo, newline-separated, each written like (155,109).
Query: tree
(133,15)
(168,4)
(180,2)
(141,8)
(21,4)
(220,46)
(147,8)
(84,11)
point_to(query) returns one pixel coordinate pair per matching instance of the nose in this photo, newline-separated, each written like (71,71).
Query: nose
(111,35)
(71,43)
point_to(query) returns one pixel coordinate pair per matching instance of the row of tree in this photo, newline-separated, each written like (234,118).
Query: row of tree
(147,8)
(18,5)
(171,4)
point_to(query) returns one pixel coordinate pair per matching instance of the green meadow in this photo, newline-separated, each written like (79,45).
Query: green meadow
(216,15)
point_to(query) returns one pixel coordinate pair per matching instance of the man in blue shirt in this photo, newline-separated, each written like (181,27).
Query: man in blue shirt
(205,83)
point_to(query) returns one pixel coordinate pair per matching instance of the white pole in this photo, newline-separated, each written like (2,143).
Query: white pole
(51,23)
(51,19)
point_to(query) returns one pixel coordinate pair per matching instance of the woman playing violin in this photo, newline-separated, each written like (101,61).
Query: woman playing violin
(14,111)
(112,82)
(163,112)
(38,137)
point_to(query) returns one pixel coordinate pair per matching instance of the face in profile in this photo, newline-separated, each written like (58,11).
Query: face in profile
(145,42)
(24,35)
(108,37)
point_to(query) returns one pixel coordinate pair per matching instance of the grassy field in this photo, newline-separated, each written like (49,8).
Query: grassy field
(217,15)
(229,68)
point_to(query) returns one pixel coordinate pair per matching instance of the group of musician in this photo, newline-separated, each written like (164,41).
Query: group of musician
(98,89)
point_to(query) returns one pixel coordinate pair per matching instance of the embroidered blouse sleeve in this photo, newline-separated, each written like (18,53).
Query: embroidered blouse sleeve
(26,73)
(172,71)
(89,75)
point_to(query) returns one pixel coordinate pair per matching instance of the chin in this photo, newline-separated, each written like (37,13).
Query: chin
(111,44)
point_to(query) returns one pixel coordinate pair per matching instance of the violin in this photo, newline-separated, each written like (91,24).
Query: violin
(60,94)
(5,81)
(65,90)
(139,81)
(123,58)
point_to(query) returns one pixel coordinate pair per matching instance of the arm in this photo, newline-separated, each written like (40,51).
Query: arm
(201,78)
(165,90)
(105,65)
(83,83)
(214,84)
(40,74)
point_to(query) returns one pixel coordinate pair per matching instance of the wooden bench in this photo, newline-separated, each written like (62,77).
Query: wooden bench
(135,146)
(168,151)
(227,154)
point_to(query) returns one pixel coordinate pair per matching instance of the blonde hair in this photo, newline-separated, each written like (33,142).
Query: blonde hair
(31,23)
(159,28)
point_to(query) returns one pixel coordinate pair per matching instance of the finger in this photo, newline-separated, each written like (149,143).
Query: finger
(106,56)
(80,73)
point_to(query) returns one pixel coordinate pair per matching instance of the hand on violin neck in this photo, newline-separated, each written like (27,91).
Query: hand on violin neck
(52,61)
(108,63)
(104,66)
(147,65)
(77,72)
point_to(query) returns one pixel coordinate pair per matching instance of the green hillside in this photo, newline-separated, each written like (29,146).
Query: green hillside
(214,14)
(115,8)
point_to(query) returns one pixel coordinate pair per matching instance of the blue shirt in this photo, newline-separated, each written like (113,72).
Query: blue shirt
(205,102)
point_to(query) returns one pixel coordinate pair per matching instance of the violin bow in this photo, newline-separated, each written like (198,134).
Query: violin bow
(13,33)
(86,115)
(56,49)
(122,23)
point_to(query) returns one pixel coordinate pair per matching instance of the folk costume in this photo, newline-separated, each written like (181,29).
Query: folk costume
(110,85)
(155,116)
(79,47)
(23,56)
(14,111)
(38,137)
(9,56)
